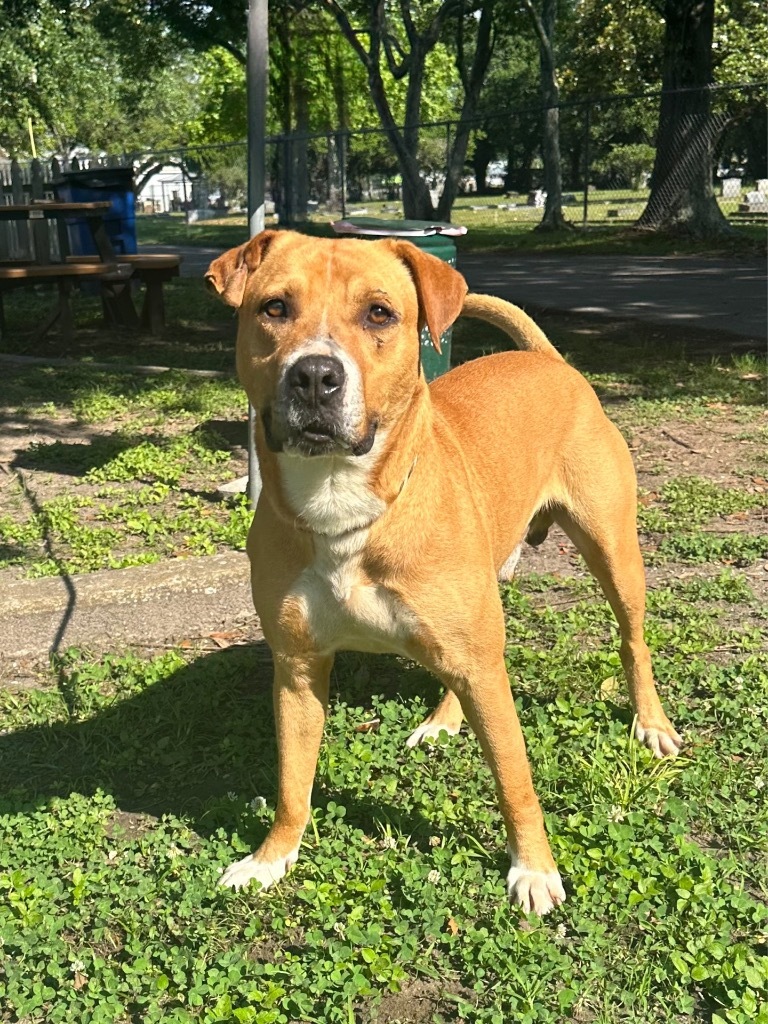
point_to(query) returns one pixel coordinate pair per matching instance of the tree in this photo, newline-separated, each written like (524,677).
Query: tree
(83,84)
(681,196)
(544,18)
(403,47)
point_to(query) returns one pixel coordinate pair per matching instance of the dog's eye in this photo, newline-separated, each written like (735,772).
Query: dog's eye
(379,315)
(275,308)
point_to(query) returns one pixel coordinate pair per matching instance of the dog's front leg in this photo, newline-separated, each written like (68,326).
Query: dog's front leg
(301,701)
(533,881)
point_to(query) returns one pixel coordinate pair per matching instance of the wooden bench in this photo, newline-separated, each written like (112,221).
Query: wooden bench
(153,271)
(113,277)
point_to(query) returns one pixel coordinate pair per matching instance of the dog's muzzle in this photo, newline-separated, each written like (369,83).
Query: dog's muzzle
(309,415)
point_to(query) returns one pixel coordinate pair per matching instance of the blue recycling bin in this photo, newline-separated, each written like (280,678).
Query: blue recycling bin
(98,185)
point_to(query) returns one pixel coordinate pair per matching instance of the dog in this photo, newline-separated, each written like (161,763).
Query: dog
(390,508)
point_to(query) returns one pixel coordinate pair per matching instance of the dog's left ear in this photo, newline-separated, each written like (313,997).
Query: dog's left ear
(439,287)
(228,274)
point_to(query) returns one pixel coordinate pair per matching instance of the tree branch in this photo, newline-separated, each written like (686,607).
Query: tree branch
(544,40)
(348,31)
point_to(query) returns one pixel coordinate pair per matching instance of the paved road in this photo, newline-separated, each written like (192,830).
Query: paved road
(717,294)
(722,294)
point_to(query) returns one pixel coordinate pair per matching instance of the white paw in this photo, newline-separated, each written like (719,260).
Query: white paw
(430,730)
(242,872)
(659,741)
(535,891)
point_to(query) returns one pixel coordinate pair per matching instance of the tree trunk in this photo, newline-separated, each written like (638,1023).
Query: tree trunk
(417,201)
(301,142)
(682,198)
(482,157)
(553,219)
(473,84)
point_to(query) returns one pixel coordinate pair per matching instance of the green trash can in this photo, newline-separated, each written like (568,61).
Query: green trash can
(430,236)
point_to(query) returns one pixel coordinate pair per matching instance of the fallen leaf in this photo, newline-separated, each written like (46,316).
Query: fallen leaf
(609,687)
(453,928)
(81,980)
(370,726)
(225,639)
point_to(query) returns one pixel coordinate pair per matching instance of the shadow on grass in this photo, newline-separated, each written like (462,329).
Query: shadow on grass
(185,741)
(199,331)
(652,361)
(75,459)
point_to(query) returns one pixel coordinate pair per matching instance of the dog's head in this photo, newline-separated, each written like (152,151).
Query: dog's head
(328,339)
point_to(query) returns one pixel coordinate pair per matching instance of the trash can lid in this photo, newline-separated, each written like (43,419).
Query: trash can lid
(403,228)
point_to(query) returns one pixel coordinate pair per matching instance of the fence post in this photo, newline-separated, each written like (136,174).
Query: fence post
(288,186)
(343,149)
(17,196)
(40,227)
(587,120)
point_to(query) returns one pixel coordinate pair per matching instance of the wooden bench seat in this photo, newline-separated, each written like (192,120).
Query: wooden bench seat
(114,277)
(153,270)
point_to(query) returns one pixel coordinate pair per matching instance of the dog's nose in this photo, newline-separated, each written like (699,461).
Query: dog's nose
(316,380)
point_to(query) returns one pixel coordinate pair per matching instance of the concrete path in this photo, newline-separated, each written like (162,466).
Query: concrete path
(716,293)
(181,598)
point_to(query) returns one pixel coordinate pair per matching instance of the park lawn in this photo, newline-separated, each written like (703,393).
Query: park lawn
(132,778)
(489,228)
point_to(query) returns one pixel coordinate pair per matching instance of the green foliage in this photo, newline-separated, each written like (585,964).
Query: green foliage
(626,165)
(81,86)
(131,783)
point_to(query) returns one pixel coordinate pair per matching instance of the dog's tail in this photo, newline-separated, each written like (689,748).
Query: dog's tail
(513,321)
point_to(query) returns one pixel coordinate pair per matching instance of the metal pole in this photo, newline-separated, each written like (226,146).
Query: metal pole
(587,118)
(258,56)
(341,148)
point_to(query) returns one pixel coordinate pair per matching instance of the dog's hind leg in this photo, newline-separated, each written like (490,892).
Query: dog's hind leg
(447,717)
(602,525)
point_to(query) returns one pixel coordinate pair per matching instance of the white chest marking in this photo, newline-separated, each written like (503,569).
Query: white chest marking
(344,610)
(331,492)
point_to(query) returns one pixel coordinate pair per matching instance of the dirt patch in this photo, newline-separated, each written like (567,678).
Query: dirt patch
(717,448)
(416,1002)
(127,825)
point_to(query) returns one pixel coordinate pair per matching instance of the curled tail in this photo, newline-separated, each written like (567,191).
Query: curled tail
(510,319)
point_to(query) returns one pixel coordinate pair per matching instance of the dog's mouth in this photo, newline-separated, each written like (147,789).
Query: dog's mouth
(317,438)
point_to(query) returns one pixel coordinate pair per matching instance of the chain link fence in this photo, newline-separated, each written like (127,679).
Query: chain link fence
(607,149)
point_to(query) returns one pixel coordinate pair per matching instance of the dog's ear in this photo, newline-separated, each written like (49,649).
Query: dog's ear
(228,274)
(439,287)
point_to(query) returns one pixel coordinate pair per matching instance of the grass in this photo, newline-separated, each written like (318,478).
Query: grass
(136,482)
(130,779)
(130,783)
(488,229)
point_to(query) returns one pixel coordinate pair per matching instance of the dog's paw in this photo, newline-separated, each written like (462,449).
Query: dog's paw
(243,872)
(535,892)
(661,739)
(431,730)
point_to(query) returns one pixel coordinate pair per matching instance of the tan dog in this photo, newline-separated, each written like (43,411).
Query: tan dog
(389,508)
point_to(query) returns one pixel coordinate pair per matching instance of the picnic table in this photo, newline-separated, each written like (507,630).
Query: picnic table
(113,272)
(36,214)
